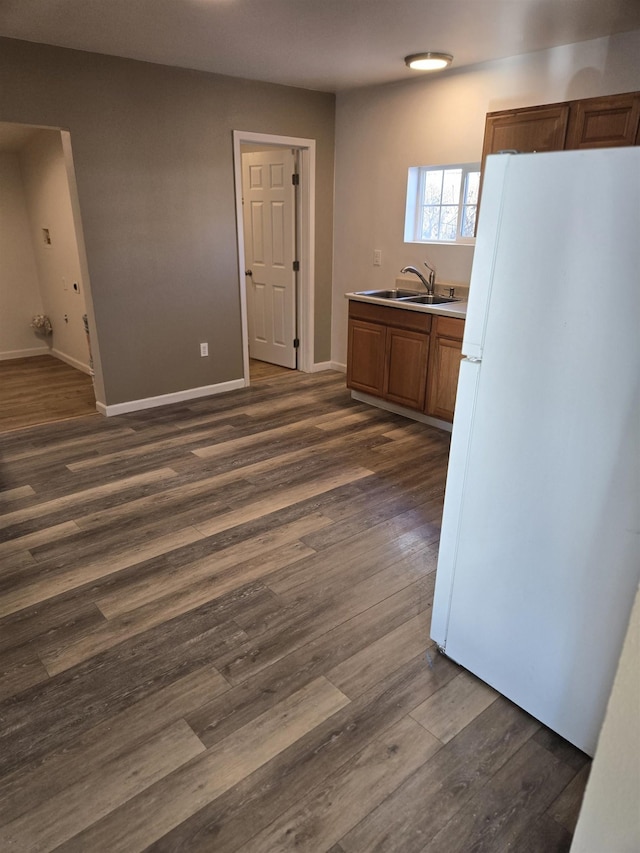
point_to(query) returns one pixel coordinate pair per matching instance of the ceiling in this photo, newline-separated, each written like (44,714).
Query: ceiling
(328,45)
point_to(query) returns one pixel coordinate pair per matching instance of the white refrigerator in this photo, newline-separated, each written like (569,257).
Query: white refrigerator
(540,552)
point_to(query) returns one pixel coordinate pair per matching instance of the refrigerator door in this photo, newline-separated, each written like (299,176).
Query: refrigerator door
(540,553)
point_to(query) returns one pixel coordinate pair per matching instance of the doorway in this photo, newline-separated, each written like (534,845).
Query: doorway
(303,150)
(45,309)
(269,207)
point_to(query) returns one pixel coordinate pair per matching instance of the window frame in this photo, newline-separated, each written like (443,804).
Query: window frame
(415,203)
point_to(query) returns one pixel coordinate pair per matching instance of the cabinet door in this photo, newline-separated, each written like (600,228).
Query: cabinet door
(443,377)
(526,130)
(407,355)
(366,357)
(604,122)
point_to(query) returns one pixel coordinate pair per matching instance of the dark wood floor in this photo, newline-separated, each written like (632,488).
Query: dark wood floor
(265,370)
(42,389)
(214,623)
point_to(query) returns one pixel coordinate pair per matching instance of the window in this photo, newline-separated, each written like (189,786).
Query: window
(442,203)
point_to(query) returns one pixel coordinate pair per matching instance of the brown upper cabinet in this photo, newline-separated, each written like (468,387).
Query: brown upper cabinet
(526,130)
(604,122)
(590,123)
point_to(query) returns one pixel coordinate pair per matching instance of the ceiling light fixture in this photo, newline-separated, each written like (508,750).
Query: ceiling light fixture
(428,61)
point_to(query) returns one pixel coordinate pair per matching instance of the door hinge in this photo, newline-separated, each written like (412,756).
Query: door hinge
(295,179)
(296,266)
(296,343)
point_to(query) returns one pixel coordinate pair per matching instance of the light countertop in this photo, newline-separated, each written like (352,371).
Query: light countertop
(447,309)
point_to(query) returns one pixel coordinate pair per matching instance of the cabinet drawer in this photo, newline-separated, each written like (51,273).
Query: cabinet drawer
(449,327)
(399,318)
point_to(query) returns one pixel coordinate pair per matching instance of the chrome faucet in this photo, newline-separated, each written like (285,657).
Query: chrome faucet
(432,276)
(431,283)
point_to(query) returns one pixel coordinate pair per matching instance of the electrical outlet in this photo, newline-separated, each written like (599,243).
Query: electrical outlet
(204,350)
(377,257)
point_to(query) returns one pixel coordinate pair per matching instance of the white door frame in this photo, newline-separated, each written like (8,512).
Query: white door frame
(306,240)
(97,375)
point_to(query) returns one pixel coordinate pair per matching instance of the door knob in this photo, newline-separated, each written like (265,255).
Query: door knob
(248,272)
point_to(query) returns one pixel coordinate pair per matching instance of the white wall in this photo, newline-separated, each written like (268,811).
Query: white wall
(46,185)
(382,131)
(610,815)
(19,293)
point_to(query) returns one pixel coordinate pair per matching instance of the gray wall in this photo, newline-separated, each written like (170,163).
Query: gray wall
(152,148)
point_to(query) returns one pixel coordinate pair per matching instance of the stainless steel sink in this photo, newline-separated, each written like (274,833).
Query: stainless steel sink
(388,294)
(428,299)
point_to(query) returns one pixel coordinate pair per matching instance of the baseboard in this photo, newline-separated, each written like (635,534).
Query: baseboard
(169,399)
(400,410)
(71,361)
(319,366)
(334,365)
(24,353)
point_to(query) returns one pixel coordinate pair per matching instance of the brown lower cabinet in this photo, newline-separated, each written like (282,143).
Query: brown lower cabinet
(366,359)
(407,357)
(445,356)
(388,353)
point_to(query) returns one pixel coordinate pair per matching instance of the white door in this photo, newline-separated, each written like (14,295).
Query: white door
(270,245)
